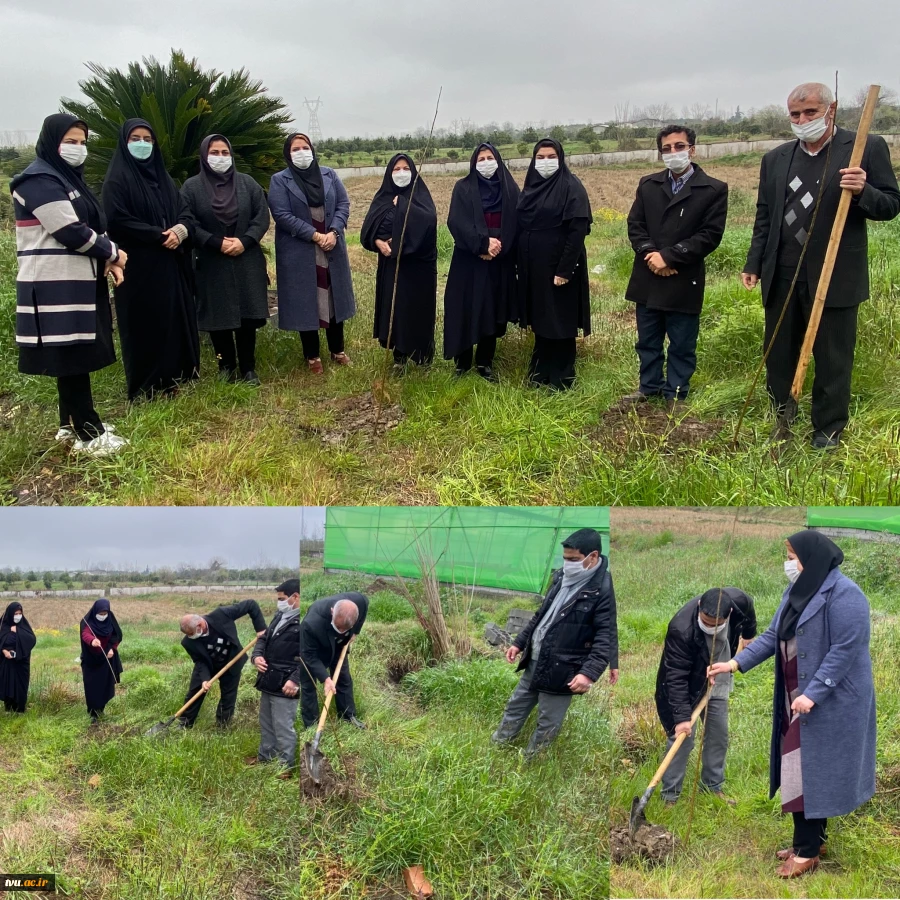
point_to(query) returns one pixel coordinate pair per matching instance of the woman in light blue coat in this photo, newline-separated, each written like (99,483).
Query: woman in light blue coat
(310,207)
(823,726)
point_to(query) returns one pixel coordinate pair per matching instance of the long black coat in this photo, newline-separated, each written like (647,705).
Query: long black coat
(228,288)
(15,674)
(222,620)
(684,228)
(282,655)
(579,641)
(879,201)
(681,678)
(319,642)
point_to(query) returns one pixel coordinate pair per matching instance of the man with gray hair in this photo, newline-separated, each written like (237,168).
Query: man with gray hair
(329,625)
(790,185)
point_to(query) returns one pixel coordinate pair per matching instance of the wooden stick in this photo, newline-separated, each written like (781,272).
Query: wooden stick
(837,230)
(655,780)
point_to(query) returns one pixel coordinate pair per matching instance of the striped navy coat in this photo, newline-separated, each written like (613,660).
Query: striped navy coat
(60,260)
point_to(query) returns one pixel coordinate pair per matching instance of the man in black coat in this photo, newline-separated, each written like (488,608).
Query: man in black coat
(707,629)
(790,178)
(676,221)
(212,641)
(565,647)
(330,624)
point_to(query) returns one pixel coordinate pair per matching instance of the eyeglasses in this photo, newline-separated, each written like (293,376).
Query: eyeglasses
(674,148)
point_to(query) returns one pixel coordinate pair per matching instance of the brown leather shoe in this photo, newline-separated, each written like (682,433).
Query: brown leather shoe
(251,760)
(721,795)
(285,775)
(790,868)
(341,359)
(315,366)
(790,853)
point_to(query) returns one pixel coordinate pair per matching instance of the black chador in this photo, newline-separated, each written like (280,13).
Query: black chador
(17,640)
(100,672)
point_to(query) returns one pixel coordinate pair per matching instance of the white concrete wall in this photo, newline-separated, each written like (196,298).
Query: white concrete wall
(144,590)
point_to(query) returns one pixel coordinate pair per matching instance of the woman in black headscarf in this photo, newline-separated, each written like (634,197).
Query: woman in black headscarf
(155,306)
(410,331)
(480,297)
(17,640)
(100,663)
(310,207)
(554,218)
(63,317)
(226,214)
(822,756)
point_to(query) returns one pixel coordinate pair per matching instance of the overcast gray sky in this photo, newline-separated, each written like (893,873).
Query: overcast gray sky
(81,537)
(378,66)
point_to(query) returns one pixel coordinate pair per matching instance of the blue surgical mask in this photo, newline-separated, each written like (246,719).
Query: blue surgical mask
(140,149)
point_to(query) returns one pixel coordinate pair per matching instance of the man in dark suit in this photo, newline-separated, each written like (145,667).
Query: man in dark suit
(790,179)
(676,221)
(330,624)
(212,641)
(708,629)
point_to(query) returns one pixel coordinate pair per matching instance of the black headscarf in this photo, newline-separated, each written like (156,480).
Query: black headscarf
(818,555)
(548,202)
(54,129)
(139,188)
(490,189)
(23,640)
(423,211)
(102,629)
(222,186)
(308,180)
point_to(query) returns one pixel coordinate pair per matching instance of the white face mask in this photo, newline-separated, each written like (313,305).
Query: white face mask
(284,605)
(810,132)
(710,629)
(302,159)
(572,568)
(219,163)
(140,149)
(17,618)
(101,617)
(487,167)
(791,570)
(73,154)
(546,167)
(677,162)
(401,177)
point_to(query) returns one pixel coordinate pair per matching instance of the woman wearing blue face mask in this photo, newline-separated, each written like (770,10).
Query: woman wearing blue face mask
(823,727)
(310,207)
(63,317)
(155,306)
(226,214)
(554,216)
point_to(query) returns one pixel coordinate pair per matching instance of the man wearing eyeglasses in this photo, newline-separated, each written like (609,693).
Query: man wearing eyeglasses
(677,220)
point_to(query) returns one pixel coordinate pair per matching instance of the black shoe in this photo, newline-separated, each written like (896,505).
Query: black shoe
(251,378)
(460,372)
(229,376)
(356,723)
(823,441)
(487,373)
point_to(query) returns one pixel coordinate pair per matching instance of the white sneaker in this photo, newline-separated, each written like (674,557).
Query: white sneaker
(67,432)
(105,445)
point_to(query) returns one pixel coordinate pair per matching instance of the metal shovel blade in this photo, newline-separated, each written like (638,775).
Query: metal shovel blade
(314,759)
(160,728)
(637,819)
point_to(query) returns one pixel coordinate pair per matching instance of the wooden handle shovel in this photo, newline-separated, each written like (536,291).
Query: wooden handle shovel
(311,753)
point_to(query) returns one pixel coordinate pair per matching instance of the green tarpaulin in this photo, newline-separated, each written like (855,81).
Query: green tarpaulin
(865,518)
(514,548)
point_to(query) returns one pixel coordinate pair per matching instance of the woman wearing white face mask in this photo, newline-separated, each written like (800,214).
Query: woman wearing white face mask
(63,316)
(17,640)
(101,667)
(226,214)
(554,216)
(310,207)
(823,728)
(155,308)
(405,325)
(480,297)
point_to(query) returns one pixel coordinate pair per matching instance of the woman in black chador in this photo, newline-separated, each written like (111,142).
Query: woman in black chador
(17,640)
(480,297)
(411,332)
(101,667)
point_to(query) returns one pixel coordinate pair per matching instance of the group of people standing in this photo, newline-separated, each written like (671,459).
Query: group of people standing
(190,260)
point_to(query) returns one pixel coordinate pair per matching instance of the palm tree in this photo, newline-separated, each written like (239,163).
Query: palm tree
(183,103)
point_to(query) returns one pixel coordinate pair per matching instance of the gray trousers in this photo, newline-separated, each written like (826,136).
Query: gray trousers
(551,712)
(277,736)
(715,746)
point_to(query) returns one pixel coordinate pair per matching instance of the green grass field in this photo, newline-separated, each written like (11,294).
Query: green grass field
(658,567)
(462,441)
(183,818)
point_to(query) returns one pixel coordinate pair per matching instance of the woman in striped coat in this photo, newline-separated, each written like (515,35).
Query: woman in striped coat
(63,316)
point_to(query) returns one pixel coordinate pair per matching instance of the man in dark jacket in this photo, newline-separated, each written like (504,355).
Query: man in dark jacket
(790,177)
(330,624)
(277,660)
(565,647)
(676,221)
(710,627)
(212,641)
